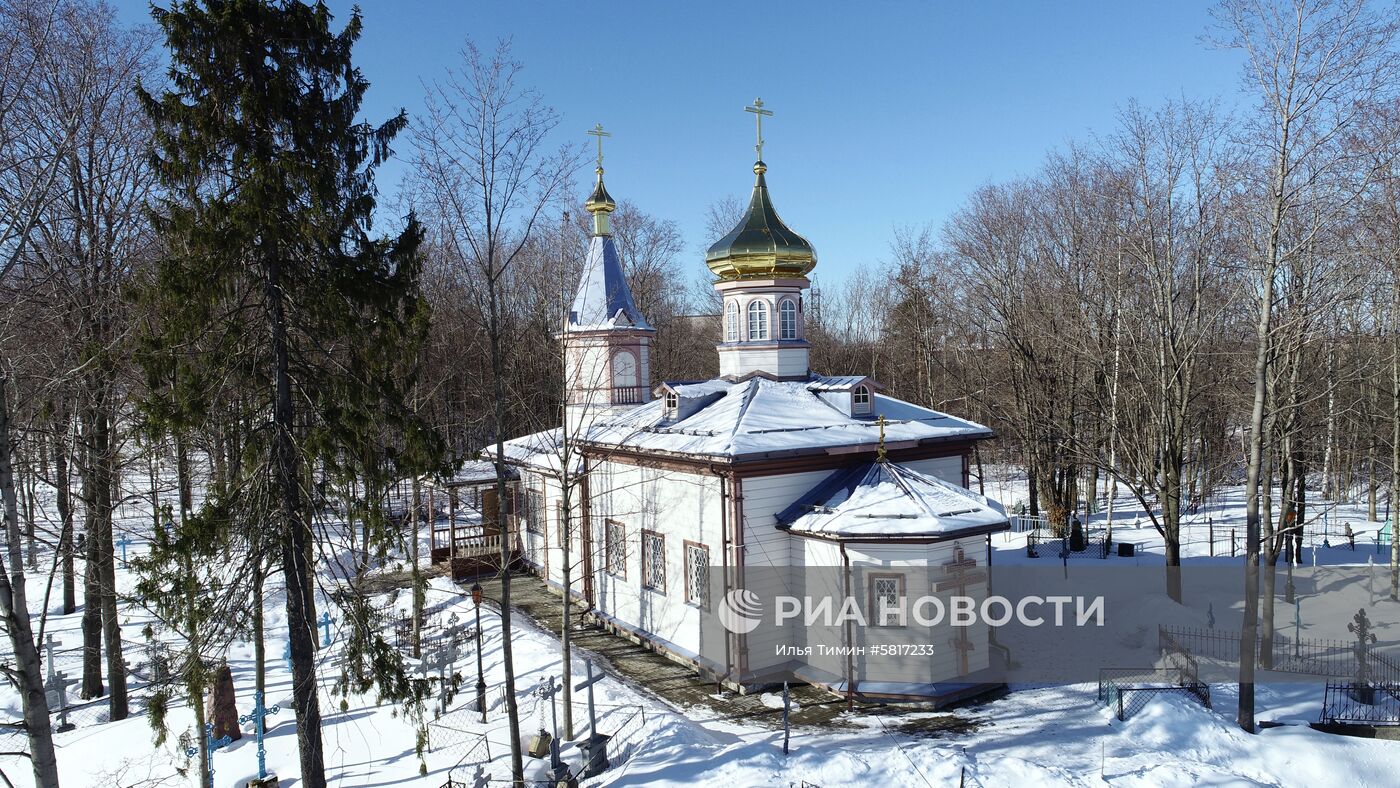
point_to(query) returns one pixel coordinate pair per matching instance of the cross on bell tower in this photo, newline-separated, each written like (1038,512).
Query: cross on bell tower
(758,112)
(761,268)
(607,341)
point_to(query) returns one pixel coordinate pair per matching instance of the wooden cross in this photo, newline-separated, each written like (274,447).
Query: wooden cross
(597,131)
(962,570)
(758,111)
(963,645)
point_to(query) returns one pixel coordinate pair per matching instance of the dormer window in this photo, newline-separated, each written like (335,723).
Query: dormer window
(787,319)
(860,400)
(672,403)
(731,321)
(758,320)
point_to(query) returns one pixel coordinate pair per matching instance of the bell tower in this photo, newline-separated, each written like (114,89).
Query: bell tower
(761,268)
(607,341)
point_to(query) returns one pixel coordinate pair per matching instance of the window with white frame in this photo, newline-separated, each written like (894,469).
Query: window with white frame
(697,574)
(672,403)
(787,319)
(860,400)
(885,593)
(615,549)
(654,561)
(758,320)
(731,321)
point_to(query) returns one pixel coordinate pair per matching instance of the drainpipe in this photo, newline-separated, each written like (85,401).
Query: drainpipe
(586,534)
(850,665)
(736,500)
(724,564)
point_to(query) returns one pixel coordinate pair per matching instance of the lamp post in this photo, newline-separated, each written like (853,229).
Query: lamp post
(480,677)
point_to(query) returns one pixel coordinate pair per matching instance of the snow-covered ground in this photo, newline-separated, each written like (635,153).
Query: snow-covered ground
(1032,736)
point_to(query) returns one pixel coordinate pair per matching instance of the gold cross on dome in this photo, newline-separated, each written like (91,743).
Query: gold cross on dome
(758,112)
(880,451)
(597,131)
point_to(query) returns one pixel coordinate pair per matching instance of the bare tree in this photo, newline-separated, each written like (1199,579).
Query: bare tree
(484,181)
(1317,69)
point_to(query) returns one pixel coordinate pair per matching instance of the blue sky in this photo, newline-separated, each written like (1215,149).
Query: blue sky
(887,113)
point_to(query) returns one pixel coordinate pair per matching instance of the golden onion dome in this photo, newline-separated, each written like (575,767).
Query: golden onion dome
(600,204)
(760,246)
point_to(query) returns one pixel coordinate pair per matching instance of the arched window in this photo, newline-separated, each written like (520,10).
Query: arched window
(731,321)
(758,320)
(672,402)
(860,400)
(624,369)
(787,319)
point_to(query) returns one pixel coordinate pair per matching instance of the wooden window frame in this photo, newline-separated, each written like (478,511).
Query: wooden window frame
(646,561)
(857,406)
(531,514)
(876,620)
(701,600)
(622,547)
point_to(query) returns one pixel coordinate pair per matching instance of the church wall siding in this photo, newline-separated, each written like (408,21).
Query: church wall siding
(679,507)
(766,546)
(949,469)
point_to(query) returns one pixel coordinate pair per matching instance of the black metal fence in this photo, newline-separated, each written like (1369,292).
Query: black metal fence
(1126,691)
(1361,704)
(1045,543)
(1308,656)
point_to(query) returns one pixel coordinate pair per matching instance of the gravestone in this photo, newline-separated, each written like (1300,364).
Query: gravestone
(223,706)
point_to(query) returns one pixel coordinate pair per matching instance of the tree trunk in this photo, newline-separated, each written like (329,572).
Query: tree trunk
(416,613)
(295,544)
(62,480)
(498,372)
(14,610)
(92,601)
(104,470)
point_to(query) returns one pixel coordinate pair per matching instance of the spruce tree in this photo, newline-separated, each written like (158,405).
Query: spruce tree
(273,292)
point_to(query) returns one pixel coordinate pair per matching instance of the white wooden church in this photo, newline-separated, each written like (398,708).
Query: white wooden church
(681,490)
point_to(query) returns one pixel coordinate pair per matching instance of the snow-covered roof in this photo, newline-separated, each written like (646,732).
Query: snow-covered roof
(474,472)
(604,300)
(757,416)
(543,451)
(884,499)
(840,382)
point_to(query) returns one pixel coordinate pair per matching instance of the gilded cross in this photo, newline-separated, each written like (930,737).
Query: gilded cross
(758,111)
(597,131)
(880,451)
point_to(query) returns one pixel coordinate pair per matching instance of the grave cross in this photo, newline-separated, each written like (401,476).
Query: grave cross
(257,718)
(56,690)
(326,621)
(210,744)
(124,541)
(588,684)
